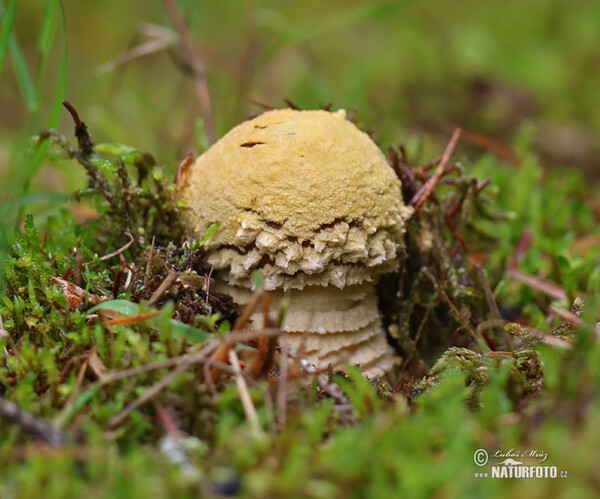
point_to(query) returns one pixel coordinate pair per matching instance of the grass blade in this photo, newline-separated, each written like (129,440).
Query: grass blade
(61,86)
(7,23)
(23,77)
(44,44)
(17,179)
(59,95)
(47,34)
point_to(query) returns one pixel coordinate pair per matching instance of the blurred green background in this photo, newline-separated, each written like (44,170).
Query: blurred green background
(404,68)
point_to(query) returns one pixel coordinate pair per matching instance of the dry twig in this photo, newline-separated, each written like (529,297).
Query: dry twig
(282,385)
(78,264)
(114,253)
(487,143)
(34,426)
(567,315)
(551,289)
(162,289)
(489,296)
(222,353)
(86,146)
(522,247)
(196,65)
(149,264)
(459,316)
(166,419)
(245,397)
(424,192)
(59,420)
(149,394)
(158,38)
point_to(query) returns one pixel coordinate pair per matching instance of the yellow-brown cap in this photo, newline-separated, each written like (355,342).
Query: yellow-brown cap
(304,196)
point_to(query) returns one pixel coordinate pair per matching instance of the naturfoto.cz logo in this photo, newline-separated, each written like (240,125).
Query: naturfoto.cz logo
(511,464)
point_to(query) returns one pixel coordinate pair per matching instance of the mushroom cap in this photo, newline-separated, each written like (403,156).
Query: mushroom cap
(304,196)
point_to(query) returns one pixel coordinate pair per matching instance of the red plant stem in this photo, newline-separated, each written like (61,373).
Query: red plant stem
(424,192)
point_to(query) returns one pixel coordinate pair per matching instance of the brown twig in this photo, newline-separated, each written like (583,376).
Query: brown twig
(78,264)
(566,315)
(452,306)
(114,253)
(499,353)
(282,385)
(243,335)
(226,368)
(431,164)
(551,289)
(343,403)
(487,143)
(149,394)
(183,364)
(74,394)
(96,364)
(454,229)
(162,289)
(231,338)
(460,240)
(158,38)
(489,296)
(160,364)
(64,371)
(521,248)
(291,105)
(196,65)
(455,208)
(97,180)
(34,426)
(417,338)
(222,353)
(424,192)
(84,139)
(149,264)
(266,344)
(245,397)
(166,419)
(266,107)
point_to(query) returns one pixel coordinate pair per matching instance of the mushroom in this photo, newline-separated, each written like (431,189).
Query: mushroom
(310,201)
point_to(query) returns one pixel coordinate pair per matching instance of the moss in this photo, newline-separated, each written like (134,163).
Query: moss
(77,381)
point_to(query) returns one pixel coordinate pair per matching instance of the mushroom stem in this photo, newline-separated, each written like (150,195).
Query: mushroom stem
(329,328)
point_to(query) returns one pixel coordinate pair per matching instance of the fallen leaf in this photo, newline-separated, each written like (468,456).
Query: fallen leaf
(96,364)
(73,293)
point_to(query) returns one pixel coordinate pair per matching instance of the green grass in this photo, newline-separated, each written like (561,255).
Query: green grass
(25,160)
